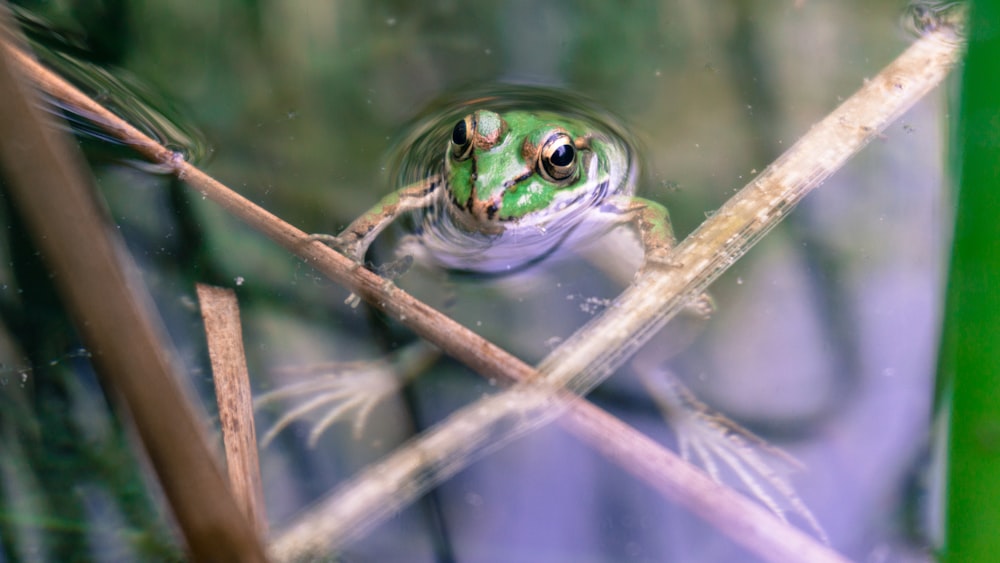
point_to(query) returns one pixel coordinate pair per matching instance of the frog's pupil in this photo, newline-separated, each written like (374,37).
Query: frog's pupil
(563,155)
(460,135)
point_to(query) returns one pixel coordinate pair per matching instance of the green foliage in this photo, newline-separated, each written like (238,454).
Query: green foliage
(971,349)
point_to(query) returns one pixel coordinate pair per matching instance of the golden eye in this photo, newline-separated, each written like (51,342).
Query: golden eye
(461,137)
(557,159)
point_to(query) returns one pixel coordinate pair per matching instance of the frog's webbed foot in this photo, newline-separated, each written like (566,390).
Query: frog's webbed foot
(389,271)
(720,445)
(350,246)
(346,390)
(396,268)
(702,306)
(341,390)
(355,248)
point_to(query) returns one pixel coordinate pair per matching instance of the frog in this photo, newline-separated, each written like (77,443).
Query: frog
(509,190)
(513,187)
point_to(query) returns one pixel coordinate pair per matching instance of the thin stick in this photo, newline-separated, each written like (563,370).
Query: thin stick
(221,315)
(98,281)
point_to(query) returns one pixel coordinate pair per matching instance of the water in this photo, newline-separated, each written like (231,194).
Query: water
(116,89)
(317,111)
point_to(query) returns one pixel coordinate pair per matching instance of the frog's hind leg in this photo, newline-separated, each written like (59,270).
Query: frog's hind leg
(720,445)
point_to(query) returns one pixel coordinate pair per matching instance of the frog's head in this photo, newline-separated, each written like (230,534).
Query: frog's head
(520,167)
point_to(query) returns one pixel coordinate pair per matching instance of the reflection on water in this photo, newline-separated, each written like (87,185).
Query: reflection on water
(117,90)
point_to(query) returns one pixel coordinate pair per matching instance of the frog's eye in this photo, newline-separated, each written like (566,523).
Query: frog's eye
(461,138)
(557,159)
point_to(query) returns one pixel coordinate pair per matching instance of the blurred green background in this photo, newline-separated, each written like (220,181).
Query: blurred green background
(824,343)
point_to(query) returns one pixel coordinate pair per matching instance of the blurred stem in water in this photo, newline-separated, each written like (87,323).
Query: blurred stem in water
(131,352)
(39,417)
(970,356)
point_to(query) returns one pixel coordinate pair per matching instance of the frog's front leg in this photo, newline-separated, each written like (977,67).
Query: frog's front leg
(355,239)
(651,222)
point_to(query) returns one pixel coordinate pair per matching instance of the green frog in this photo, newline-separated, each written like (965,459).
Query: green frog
(510,188)
(513,187)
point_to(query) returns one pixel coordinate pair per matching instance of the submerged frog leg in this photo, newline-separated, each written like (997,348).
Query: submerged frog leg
(345,390)
(719,444)
(355,239)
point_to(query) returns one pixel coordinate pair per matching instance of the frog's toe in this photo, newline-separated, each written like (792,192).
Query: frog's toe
(332,241)
(660,258)
(702,306)
(396,268)
(349,248)
(349,391)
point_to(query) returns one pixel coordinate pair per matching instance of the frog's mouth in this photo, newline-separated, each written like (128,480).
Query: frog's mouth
(457,239)
(486,217)
(477,216)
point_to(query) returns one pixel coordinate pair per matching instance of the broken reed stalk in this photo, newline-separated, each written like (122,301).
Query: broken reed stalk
(220,313)
(99,283)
